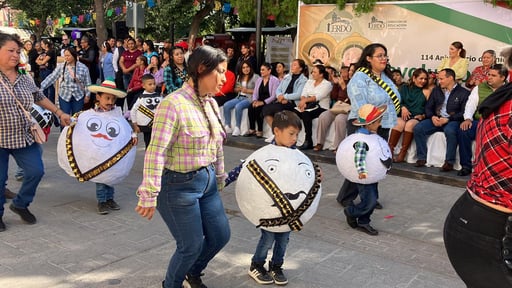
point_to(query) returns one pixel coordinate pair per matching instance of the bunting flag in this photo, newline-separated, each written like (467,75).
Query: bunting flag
(118,11)
(151,3)
(74,19)
(80,18)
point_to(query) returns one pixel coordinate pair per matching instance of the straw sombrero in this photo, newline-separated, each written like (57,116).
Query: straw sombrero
(368,114)
(107,86)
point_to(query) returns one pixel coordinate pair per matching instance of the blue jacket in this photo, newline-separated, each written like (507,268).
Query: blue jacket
(297,87)
(454,107)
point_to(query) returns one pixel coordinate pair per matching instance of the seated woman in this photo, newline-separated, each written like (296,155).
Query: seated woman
(314,101)
(246,81)
(157,71)
(287,92)
(479,74)
(338,93)
(456,60)
(264,93)
(413,111)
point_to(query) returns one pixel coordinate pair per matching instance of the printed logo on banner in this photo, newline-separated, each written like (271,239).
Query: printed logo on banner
(376,24)
(339,24)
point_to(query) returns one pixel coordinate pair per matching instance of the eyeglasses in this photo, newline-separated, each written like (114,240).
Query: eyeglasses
(381,57)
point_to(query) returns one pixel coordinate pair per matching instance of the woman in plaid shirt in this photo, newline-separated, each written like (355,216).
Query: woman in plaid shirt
(15,136)
(184,169)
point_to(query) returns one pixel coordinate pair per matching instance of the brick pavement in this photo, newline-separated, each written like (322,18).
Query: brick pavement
(72,246)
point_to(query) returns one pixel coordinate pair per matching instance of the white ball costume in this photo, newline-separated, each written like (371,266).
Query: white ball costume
(97,147)
(378,158)
(278,189)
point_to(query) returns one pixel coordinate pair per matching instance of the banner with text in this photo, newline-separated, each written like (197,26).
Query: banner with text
(416,35)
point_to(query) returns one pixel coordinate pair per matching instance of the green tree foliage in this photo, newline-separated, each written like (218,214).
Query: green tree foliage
(286,10)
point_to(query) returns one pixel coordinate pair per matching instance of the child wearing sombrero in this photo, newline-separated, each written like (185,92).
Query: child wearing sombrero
(106,96)
(369,151)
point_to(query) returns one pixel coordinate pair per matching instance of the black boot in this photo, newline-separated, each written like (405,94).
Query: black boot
(276,271)
(307,145)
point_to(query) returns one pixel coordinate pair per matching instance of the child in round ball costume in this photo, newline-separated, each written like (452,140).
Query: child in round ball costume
(100,145)
(278,190)
(372,160)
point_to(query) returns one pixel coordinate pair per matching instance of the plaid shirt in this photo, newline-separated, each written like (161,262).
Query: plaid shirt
(360,155)
(14,125)
(181,141)
(492,174)
(68,87)
(173,82)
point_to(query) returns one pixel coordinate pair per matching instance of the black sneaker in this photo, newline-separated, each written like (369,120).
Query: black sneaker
(103,208)
(112,205)
(378,205)
(259,274)
(9,194)
(25,215)
(193,282)
(2,225)
(366,228)
(277,274)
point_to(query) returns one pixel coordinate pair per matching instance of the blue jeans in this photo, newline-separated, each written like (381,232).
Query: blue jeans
(280,241)
(30,160)
(126,79)
(465,139)
(50,91)
(190,205)
(426,128)
(104,192)
(364,209)
(72,106)
(239,103)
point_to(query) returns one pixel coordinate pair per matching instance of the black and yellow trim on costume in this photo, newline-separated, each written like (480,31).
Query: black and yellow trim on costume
(384,86)
(148,113)
(95,171)
(290,216)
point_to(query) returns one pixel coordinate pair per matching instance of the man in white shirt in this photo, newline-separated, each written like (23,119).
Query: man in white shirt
(496,78)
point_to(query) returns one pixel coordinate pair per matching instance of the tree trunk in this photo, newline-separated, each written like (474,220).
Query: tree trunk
(196,21)
(101,30)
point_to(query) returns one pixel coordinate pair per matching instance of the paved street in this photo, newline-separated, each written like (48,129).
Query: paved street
(73,246)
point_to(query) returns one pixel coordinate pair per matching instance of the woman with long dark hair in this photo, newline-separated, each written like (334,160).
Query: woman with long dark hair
(411,113)
(47,60)
(175,74)
(184,169)
(74,78)
(370,84)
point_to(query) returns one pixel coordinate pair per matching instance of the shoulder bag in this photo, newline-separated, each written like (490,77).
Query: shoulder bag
(36,130)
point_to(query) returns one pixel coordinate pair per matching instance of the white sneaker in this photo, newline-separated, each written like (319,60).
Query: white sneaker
(269,139)
(228,129)
(236,132)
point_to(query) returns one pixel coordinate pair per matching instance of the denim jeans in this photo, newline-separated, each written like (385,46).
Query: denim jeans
(426,128)
(239,103)
(348,191)
(280,241)
(30,160)
(465,139)
(50,91)
(104,192)
(192,209)
(364,209)
(72,106)
(472,237)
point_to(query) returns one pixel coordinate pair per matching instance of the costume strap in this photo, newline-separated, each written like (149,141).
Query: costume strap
(97,170)
(290,216)
(148,113)
(384,86)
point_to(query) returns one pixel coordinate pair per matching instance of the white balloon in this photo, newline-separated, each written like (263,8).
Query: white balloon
(96,138)
(378,158)
(294,179)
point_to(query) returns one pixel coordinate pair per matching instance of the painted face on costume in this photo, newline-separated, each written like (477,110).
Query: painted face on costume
(278,189)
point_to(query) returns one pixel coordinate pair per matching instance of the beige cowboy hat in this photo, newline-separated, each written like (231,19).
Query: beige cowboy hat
(107,86)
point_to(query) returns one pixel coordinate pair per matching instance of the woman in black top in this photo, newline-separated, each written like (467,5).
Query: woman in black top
(47,60)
